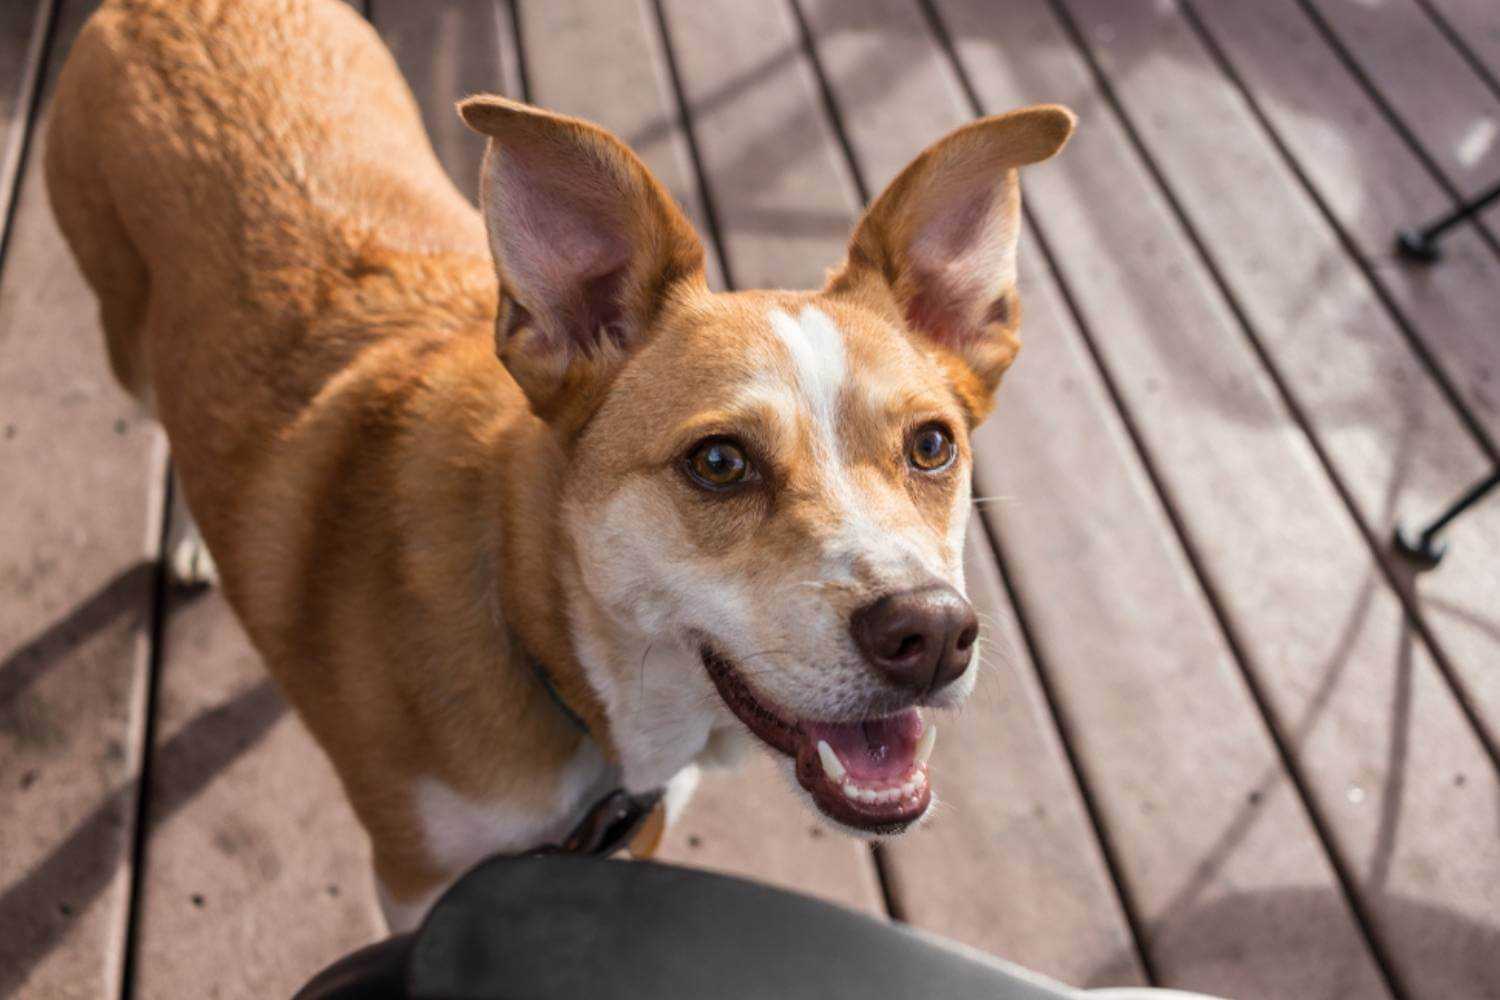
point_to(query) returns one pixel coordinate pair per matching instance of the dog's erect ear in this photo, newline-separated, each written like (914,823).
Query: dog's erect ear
(586,245)
(941,241)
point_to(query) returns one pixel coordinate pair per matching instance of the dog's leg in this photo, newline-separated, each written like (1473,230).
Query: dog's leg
(189,562)
(408,879)
(404,915)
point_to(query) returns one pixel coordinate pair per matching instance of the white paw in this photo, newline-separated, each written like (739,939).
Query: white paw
(191,565)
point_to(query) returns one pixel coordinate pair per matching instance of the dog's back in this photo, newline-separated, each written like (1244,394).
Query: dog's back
(248,157)
(286,273)
(249,190)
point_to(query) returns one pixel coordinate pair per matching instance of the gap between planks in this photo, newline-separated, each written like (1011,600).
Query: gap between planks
(889,892)
(711,216)
(945,42)
(28,102)
(156,643)
(1108,851)
(1210,591)
(20,148)
(1388,111)
(1377,549)
(1464,49)
(1346,240)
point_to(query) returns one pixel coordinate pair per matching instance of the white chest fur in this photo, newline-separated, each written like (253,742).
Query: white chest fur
(458,832)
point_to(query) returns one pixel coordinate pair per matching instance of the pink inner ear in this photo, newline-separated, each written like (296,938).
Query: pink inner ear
(563,247)
(929,311)
(954,224)
(959,266)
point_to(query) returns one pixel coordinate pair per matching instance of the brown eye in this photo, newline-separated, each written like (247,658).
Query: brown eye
(719,464)
(932,449)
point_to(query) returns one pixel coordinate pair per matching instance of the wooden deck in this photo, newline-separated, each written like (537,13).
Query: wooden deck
(1225,739)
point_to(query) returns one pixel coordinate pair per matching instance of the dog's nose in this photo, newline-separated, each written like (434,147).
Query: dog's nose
(919,639)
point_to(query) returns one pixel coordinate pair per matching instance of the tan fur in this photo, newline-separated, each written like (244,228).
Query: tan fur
(284,271)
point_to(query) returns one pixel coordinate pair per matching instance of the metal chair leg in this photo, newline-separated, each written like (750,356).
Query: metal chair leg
(1421,244)
(1423,548)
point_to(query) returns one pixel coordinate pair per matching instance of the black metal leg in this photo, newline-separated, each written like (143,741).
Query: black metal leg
(1423,547)
(1421,244)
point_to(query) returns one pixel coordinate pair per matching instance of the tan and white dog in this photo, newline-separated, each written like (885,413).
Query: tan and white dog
(701,515)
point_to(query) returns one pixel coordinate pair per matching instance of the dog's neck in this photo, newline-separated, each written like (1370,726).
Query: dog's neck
(661,721)
(534,560)
(617,679)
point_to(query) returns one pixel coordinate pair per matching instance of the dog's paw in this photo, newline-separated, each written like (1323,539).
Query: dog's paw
(190,564)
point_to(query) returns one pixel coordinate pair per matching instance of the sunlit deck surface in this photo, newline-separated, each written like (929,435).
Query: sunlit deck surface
(1225,739)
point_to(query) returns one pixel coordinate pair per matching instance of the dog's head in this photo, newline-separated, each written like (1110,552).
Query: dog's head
(775,481)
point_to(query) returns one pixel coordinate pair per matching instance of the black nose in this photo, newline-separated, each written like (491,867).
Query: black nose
(919,639)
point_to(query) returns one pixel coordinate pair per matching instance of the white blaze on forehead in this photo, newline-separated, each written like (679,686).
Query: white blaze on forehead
(818,360)
(820,375)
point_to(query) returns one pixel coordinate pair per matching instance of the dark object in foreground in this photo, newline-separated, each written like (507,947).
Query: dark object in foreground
(562,927)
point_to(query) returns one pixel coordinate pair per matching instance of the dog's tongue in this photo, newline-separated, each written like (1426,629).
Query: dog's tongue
(877,750)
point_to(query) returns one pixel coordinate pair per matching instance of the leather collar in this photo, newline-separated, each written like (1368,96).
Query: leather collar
(544,678)
(611,824)
(614,821)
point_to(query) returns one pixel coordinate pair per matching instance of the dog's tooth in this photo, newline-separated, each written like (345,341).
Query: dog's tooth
(925,745)
(909,789)
(832,766)
(850,790)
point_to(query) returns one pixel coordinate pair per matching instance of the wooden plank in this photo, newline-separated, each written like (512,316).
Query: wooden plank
(250,833)
(1221,859)
(1393,438)
(1373,184)
(748,89)
(1475,24)
(1149,687)
(82,500)
(447,51)
(23,42)
(256,874)
(779,184)
(1354,696)
(1009,862)
(747,822)
(1426,81)
(1304,93)
(627,88)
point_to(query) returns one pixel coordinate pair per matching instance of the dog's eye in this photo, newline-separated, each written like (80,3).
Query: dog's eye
(931,449)
(719,464)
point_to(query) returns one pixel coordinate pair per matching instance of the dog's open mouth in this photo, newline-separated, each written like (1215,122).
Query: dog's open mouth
(871,775)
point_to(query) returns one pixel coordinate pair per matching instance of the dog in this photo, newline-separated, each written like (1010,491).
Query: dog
(517,511)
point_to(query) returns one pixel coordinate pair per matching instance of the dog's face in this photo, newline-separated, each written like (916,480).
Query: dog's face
(775,482)
(780,483)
